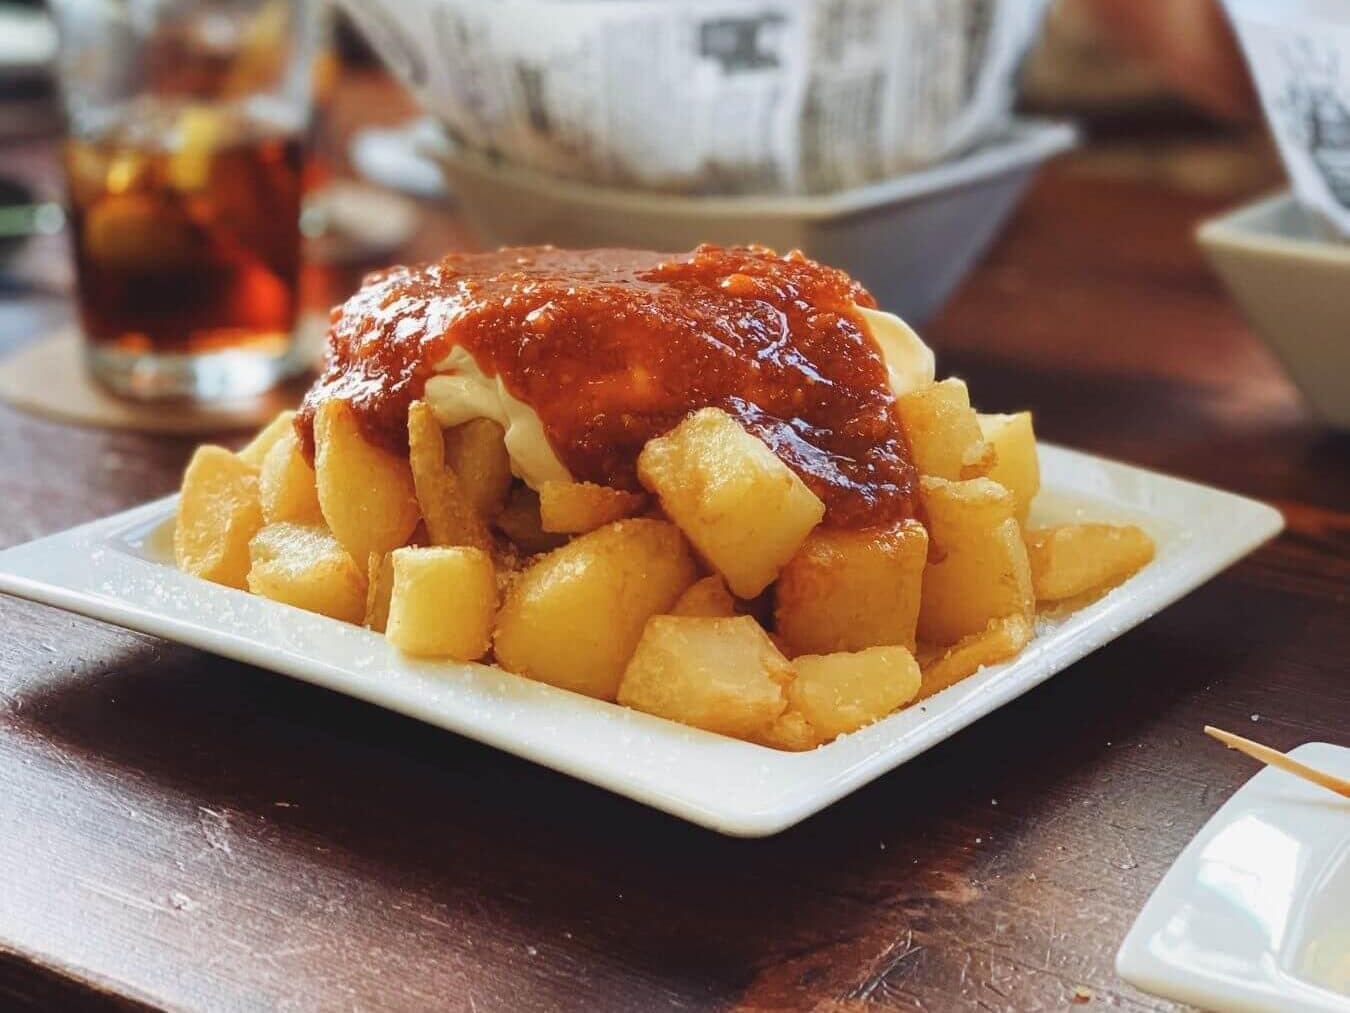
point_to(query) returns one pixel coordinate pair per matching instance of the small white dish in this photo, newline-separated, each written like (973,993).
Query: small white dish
(120,570)
(1255,913)
(27,43)
(399,158)
(1292,281)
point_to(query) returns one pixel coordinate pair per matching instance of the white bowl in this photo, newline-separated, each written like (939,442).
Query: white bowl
(910,239)
(1293,284)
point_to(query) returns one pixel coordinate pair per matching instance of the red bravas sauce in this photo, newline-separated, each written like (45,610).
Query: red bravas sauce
(613,347)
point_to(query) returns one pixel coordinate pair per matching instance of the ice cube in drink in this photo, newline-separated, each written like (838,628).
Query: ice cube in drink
(186,227)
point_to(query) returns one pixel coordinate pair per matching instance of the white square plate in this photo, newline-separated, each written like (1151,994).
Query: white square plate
(120,570)
(1255,913)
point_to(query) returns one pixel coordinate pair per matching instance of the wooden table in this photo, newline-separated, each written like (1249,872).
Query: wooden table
(182,831)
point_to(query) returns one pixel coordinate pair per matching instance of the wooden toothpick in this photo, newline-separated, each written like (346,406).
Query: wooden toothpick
(1275,758)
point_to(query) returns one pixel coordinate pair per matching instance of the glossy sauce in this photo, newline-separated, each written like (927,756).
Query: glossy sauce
(613,347)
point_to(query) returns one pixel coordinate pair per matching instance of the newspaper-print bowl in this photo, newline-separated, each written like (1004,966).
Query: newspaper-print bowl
(710,96)
(910,239)
(1299,55)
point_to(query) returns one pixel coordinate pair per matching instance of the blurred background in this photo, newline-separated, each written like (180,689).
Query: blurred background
(305,144)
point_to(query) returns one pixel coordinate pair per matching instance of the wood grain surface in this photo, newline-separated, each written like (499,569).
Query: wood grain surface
(185,832)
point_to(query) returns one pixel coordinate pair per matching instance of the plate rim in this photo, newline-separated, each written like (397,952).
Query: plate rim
(810,781)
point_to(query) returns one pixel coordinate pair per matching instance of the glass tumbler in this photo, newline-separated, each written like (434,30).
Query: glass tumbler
(184,159)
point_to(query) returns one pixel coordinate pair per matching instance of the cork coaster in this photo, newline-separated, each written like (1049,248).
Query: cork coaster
(47,378)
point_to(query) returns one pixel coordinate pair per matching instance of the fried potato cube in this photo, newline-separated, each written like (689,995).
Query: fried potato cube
(980,570)
(573,618)
(708,597)
(521,522)
(1017,467)
(846,590)
(256,449)
(1002,639)
(218,512)
(1075,559)
(841,692)
(443,602)
(306,566)
(366,493)
(379,589)
(722,675)
(578,507)
(791,732)
(449,514)
(286,484)
(943,432)
(476,453)
(744,510)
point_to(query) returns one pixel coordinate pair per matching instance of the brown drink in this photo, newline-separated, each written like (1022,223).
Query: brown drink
(190,245)
(187,122)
